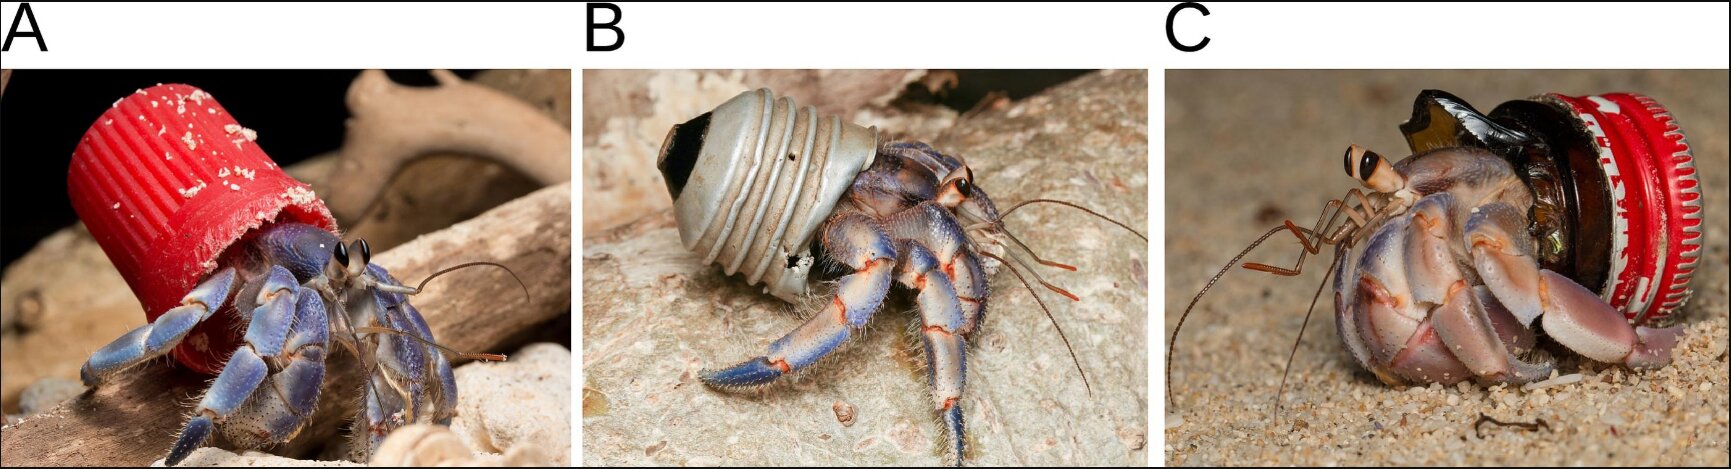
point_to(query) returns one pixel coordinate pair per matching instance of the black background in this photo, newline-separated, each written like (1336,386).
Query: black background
(298,114)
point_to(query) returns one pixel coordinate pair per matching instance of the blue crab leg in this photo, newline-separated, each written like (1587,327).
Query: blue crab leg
(296,386)
(935,229)
(245,370)
(414,381)
(444,399)
(382,414)
(852,239)
(936,253)
(154,339)
(403,361)
(946,348)
(1572,315)
(971,291)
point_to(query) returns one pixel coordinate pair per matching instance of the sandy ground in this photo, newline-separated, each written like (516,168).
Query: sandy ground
(654,315)
(1248,148)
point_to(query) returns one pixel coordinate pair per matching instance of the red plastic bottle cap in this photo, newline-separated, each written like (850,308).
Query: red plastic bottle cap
(1656,224)
(166,180)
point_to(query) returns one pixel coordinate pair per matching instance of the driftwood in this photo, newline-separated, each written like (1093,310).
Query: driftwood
(135,419)
(394,124)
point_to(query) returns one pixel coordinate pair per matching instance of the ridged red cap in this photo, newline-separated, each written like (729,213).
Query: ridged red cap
(1656,224)
(166,180)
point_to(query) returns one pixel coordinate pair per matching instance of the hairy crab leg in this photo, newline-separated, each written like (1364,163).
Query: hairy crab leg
(936,252)
(297,385)
(245,370)
(858,242)
(942,323)
(159,337)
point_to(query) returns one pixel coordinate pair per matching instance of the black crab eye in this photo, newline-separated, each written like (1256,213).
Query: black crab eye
(366,251)
(1367,165)
(1346,160)
(341,254)
(966,184)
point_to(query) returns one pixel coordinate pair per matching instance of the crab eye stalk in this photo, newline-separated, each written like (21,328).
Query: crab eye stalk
(1360,162)
(1372,170)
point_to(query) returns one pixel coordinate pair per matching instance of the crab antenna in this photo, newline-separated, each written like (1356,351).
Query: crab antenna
(1282,390)
(1036,255)
(1049,317)
(1049,286)
(423,285)
(1172,342)
(494,357)
(1074,206)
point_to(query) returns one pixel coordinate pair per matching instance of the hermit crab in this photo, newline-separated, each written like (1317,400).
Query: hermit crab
(242,275)
(786,199)
(1577,217)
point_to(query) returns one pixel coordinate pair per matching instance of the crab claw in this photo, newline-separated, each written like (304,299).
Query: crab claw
(1654,348)
(1579,320)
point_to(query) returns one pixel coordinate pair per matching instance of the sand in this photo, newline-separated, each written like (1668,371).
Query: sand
(1248,148)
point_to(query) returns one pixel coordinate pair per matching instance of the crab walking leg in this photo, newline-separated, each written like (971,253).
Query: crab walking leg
(1463,323)
(1574,316)
(414,377)
(157,338)
(936,230)
(444,393)
(935,243)
(304,352)
(245,370)
(401,359)
(942,319)
(969,278)
(1459,322)
(856,241)
(285,401)
(382,412)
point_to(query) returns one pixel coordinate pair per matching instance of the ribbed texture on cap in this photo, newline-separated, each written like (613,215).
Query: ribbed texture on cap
(1657,196)
(166,180)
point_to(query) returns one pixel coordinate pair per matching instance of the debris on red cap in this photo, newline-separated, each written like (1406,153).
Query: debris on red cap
(166,180)
(1656,224)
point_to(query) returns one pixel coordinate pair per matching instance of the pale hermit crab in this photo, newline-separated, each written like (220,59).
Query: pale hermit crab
(242,274)
(1576,216)
(788,199)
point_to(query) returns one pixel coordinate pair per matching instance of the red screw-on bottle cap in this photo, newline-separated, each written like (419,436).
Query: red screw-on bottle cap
(166,180)
(1656,201)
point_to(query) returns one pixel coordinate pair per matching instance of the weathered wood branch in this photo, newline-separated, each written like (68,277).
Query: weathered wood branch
(394,124)
(135,419)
